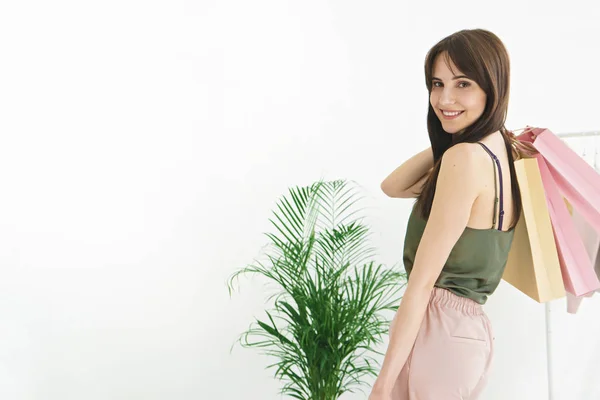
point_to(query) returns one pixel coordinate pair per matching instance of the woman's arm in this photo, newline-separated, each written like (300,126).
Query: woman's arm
(457,188)
(408,178)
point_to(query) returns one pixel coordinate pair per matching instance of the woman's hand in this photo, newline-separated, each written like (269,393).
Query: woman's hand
(379,391)
(379,395)
(534,132)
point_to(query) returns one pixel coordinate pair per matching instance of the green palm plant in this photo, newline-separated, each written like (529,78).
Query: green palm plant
(328,312)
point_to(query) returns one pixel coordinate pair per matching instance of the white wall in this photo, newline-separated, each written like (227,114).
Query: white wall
(143,145)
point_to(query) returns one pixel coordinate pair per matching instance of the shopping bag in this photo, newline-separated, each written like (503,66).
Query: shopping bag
(577,181)
(591,239)
(578,273)
(533,265)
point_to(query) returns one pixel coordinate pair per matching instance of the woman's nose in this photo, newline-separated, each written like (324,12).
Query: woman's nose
(447,96)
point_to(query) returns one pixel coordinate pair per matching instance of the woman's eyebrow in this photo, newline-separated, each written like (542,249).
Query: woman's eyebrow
(455,78)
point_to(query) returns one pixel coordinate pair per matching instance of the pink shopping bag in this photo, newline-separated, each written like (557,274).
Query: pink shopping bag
(591,240)
(578,273)
(576,179)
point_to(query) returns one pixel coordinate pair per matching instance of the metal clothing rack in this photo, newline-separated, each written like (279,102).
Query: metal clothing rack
(565,137)
(578,134)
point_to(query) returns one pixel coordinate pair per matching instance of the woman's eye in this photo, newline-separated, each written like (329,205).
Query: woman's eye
(461,84)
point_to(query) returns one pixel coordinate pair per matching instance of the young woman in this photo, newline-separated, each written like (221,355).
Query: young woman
(461,227)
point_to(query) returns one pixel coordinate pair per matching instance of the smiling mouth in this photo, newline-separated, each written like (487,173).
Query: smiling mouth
(451,113)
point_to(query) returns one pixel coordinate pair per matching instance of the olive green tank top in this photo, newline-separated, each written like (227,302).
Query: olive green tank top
(476,263)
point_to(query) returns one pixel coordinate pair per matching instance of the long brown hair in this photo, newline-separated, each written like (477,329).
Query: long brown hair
(482,57)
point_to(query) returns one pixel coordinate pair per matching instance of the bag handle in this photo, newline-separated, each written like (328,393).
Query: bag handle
(523,149)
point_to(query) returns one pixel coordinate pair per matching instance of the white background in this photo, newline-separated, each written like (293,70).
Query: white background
(143,145)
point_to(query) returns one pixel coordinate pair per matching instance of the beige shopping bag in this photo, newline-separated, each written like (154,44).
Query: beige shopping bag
(533,265)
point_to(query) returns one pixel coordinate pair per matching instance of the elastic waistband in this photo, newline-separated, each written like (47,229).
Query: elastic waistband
(446,298)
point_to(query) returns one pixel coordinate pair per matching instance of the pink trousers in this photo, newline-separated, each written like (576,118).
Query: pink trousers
(452,354)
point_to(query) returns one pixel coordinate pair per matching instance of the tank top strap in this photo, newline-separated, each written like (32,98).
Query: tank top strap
(501,213)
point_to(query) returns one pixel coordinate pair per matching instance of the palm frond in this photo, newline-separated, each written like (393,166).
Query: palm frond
(329,309)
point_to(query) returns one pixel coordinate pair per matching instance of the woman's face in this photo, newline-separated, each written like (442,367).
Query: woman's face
(457,100)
